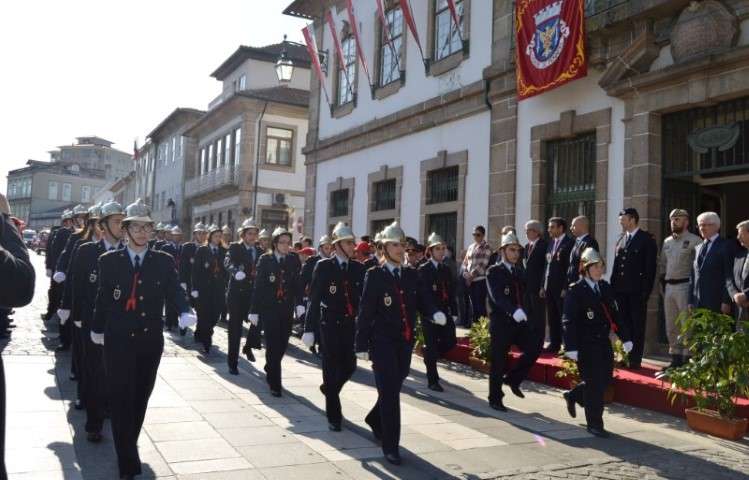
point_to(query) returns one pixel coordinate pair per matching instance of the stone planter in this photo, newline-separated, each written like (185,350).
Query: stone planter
(711,422)
(479,364)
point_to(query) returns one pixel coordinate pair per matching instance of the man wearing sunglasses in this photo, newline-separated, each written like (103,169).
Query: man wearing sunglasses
(474,269)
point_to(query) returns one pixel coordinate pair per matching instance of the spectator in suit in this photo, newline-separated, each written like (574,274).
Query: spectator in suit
(580,229)
(534,260)
(737,281)
(555,279)
(707,287)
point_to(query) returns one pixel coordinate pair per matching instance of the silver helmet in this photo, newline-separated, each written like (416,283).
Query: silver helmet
(111,208)
(137,212)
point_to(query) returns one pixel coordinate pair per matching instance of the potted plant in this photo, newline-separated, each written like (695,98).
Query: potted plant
(716,375)
(480,345)
(419,336)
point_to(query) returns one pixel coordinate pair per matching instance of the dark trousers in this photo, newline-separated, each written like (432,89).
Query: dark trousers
(277,330)
(94,392)
(239,306)
(170,318)
(76,358)
(633,312)
(132,363)
(210,303)
(54,294)
(391,361)
(504,334)
(338,362)
(554,309)
(438,340)
(596,365)
(477,291)
(3,473)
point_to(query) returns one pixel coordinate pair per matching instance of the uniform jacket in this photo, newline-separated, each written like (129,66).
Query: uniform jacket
(535,266)
(738,280)
(440,282)
(573,270)
(57,246)
(588,318)
(557,264)
(707,283)
(635,264)
(63,262)
(67,296)
(382,306)
(208,272)
(187,260)
(239,259)
(306,276)
(15,268)
(84,280)
(277,287)
(126,303)
(174,250)
(49,260)
(334,294)
(506,292)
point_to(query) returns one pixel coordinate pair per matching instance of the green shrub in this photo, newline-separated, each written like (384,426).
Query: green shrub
(480,339)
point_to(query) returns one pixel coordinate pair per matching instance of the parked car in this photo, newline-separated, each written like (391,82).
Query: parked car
(40,243)
(28,237)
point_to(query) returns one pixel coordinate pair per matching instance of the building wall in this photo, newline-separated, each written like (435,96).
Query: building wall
(261,74)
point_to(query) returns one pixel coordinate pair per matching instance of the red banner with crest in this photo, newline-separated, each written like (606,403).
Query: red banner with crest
(550,39)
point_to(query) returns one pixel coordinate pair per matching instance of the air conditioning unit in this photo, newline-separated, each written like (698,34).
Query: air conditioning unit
(279,199)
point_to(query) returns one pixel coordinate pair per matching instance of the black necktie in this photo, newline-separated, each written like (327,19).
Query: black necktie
(397,273)
(137,263)
(344,265)
(703,253)
(596,289)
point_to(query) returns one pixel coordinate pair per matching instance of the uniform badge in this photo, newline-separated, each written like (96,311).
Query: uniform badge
(207,264)
(387,300)
(271,278)
(192,260)
(685,245)
(590,314)
(434,287)
(332,289)
(507,290)
(116,294)
(92,278)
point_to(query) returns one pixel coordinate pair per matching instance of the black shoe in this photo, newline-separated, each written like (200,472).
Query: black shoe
(498,405)
(62,348)
(248,353)
(275,393)
(233,370)
(436,387)
(334,427)
(94,437)
(571,407)
(375,432)
(206,349)
(393,458)
(552,349)
(78,405)
(598,432)
(515,388)
(322,388)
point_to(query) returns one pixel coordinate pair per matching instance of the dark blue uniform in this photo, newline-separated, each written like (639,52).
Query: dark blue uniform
(57,289)
(305,277)
(438,339)
(334,296)
(174,250)
(128,311)
(71,332)
(633,277)
(506,294)
(274,298)
(555,282)
(588,319)
(209,279)
(239,258)
(385,329)
(50,261)
(573,270)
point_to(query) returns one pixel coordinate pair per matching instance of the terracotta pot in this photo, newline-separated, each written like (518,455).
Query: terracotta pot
(479,364)
(711,422)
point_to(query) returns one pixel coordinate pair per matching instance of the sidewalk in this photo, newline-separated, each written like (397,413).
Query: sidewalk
(205,424)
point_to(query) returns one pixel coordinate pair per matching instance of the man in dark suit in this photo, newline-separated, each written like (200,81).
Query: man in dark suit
(633,277)
(580,229)
(534,261)
(555,279)
(737,281)
(707,286)
(209,286)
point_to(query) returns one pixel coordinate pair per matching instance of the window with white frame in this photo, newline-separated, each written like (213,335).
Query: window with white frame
(66,192)
(242,82)
(174,149)
(220,152)
(446,34)
(52,191)
(85,193)
(202,161)
(390,47)
(278,144)
(211,158)
(237,143)
(347,74)
(227,149)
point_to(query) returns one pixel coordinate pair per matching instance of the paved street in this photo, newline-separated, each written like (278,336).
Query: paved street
(205,424)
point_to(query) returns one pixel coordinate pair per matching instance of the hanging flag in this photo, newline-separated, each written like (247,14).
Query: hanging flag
(408,16)
(386,32)
(309,39)
(550,37)
(456,19)
(336,43)
(359,50)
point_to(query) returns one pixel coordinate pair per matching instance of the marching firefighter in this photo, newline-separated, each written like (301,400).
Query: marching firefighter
(240,263)
(391,297)
(334,296)
(263,240)
(173,247)
(506,285)
(275,300)
(187,260)
(437,279)
(590,314)
(208,286)
(134,284)
(55,243)
(325,250)
(84,277)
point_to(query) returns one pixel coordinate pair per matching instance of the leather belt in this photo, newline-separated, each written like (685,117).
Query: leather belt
(676,282)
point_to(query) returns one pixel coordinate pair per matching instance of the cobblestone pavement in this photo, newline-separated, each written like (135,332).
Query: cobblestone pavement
(205,424)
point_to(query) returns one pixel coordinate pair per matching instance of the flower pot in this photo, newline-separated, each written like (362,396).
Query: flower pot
(711,422)
(479,364)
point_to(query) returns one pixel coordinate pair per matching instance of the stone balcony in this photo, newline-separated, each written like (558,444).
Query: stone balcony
(218,179)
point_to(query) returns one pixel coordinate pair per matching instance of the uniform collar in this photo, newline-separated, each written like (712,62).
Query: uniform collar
(341,260)
(279,257)
(592,284)
(435,263)
(132,255)
(507,265)
(391,266)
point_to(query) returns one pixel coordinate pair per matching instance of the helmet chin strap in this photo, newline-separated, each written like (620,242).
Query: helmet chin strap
(388,257)
(343,252)
(133,240)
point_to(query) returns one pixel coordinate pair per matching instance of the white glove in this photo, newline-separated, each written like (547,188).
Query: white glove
(184,286)
(97,338)
(300,310)
(59,277)
(439,318)
(63,314)
(308,339)
(240,276)
(627,346)
(49,273)
(363,356)
(253,318)
(571,355)
(78,324)
(187,319)
(455,319)
(194,294)
(519,316)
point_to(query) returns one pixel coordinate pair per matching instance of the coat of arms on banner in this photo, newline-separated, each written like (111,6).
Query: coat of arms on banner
(547,42)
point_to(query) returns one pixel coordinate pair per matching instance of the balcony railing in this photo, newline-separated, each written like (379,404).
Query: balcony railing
(227,175)
(594,7)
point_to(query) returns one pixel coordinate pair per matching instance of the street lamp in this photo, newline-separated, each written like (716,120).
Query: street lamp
(284,66)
